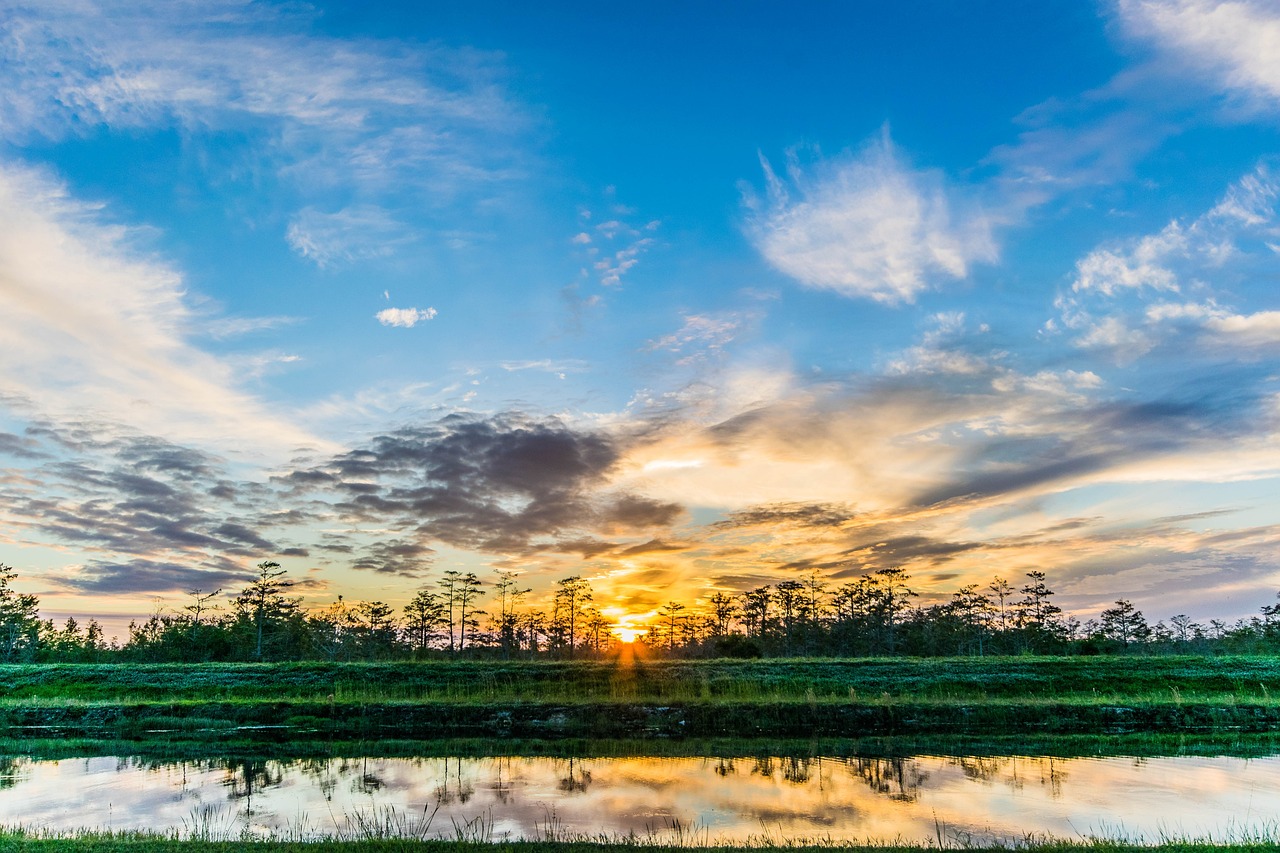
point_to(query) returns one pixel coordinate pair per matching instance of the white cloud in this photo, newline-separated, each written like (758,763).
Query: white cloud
(617,246)
(1165,312)
(702,335)
(405,318)
(95,326)
(868,226)
(1246,210)
(357,233)
(546,365)
(1084,142)
(621,262)
(1138,265)
(1237,43)
(1251,201)
(257,365)
(942,351)
(1261,329)
(1108,299)
(1064,388)
(221,328)
(1114,335)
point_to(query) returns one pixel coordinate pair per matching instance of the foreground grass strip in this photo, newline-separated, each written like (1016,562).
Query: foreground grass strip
(99,843)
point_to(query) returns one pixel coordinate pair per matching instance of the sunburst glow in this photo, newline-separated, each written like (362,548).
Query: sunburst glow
(628,635)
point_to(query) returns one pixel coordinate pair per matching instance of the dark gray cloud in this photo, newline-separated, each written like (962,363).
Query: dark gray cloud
(882,553)
(1095,439)
(588,547)
(234,532)
(19,448)
(159,456)
(402,557)
(141,499)
(790,515)
(503,484)
(150,576)
(653,546)
(637,512)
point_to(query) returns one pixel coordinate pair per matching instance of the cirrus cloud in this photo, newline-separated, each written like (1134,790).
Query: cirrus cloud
(95,323)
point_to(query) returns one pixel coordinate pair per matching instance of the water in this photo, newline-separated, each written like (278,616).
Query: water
(692,799)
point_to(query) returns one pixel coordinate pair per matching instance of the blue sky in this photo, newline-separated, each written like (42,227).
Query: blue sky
(677,298)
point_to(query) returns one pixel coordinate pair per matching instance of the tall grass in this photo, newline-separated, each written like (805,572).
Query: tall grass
(541,700)
(383,833)
(1088,680)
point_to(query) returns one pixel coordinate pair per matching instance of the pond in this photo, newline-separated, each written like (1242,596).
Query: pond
(731,799)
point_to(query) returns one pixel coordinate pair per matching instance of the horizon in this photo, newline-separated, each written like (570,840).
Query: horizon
(678,300)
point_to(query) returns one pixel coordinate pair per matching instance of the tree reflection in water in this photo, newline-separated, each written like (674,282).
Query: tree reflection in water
(367,782)
(900,779)
(980,768)
(12,771)
(577,780)
(462,790)
(245,777)
(502,779)
(795,770)
(1053,774)
(322,773)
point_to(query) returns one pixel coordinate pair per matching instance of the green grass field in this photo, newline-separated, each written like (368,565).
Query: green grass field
(1081,679)
(642,699)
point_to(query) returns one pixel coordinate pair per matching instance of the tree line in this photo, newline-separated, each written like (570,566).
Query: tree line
(460,614)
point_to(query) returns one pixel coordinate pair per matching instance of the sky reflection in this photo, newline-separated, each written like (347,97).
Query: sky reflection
(728,799)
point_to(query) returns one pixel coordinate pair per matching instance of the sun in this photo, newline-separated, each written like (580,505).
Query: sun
(627,627)
(627,634)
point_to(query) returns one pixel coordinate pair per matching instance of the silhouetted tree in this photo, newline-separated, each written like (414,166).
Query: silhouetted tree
(1124,624)
(1037,616)
(973,611)
(264,599)
(755,610)
(894,597)
(508,596)
(459,593)
(19,619)
(570,599)
(1002,591)
(723,611)
(424,620)
(668,625)
(374,629)
(595,630)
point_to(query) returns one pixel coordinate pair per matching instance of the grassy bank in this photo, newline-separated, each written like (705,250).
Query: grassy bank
(267,721)
(1255,679)
(1139,745)
(649,700)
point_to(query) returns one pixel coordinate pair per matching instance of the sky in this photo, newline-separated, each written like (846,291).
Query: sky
(678,298)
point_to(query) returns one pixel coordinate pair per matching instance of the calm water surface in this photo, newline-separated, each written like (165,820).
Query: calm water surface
(731,799)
